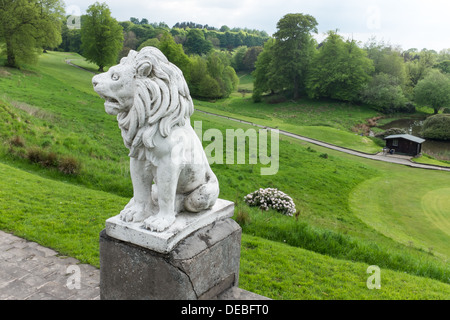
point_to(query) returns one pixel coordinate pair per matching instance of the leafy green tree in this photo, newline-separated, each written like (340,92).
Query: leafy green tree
(71,40)
(101,36)
(201,84)
(387,59)
(250,58)
(130,40)
(143,32)
(152,42)
(418,68)
(212,77)
(444,54)
(385,94)
(443,66)
(437,127)
(175,53)
(230,81)
(292,53)
(28,26)
(433,91)
(196,42)
(261,73)
(339,70)
(238,58)
(218,65)
(134,20)
(391,62)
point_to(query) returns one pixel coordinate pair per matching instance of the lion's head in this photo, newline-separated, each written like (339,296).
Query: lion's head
(148,94)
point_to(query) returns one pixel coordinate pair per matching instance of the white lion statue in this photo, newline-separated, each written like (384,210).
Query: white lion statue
(151,99)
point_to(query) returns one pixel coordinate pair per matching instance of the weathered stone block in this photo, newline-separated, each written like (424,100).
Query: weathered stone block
(201,266)
(164,241)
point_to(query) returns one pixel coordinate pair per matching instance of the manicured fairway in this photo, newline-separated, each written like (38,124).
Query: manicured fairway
(436,206)
(411,206)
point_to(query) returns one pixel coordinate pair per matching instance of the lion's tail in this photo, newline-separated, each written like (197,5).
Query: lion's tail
(205,196)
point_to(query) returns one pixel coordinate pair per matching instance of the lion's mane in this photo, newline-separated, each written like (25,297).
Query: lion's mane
(161,101)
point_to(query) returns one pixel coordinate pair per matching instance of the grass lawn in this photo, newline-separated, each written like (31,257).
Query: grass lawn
(294,274)
(425,159)
(68,219)
(411,207)
(59,215)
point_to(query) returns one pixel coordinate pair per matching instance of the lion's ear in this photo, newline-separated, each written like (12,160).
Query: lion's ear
(144,69)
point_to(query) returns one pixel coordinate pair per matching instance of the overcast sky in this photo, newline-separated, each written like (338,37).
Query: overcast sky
(407,23)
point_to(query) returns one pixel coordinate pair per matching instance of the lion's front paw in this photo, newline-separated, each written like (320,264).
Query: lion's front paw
(160,222)
(135,212)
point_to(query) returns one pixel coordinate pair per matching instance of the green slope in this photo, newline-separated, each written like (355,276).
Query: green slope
(68,219)
(53,108)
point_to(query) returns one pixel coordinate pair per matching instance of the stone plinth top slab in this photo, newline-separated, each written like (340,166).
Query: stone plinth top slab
(163,242)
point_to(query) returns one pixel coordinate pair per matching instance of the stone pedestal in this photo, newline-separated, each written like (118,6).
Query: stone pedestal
(200,265)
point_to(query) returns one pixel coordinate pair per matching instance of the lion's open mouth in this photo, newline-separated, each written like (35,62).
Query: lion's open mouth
(112,106)
(110,100)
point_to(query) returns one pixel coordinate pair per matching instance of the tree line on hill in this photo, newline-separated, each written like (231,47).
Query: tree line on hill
(203,53)
(288,65)
(293,64)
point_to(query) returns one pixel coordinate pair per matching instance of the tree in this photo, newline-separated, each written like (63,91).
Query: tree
(130,40)
(238,58)
(201,84)
(28,26)
(388,59)
(152,42)
(339,70)
(101,36)
(385,94)
(418,68)
(175,54)
(218,65)
(391,62)
(71,40)
(196,42)
(292,53)
(437,127)
(212,77)
(229,82)
(134,20)
(443,66)
(250,58)
(262,64)
(433,91)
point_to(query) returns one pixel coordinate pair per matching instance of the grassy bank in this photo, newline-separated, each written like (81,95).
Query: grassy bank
(330,122)
(422,219)
(69,218)
(321,253)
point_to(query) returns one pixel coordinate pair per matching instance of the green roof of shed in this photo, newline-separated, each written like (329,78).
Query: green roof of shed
(407,137)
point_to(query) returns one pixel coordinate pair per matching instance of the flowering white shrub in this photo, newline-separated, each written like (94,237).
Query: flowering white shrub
(271,198)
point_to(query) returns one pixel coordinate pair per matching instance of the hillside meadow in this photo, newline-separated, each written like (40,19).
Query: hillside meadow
(51,118)
(69,218)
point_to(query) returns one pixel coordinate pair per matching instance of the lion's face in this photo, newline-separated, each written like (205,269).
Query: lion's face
(116,87)
(148,94)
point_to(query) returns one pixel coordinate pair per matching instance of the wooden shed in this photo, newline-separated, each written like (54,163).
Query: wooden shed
(404,144)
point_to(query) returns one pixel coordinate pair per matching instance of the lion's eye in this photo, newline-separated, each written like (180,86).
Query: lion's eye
(115,77)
